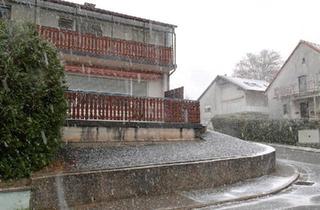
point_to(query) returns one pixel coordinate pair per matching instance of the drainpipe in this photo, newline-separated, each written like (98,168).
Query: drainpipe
(314,107)
(174,59)
(174,54)
(35,11)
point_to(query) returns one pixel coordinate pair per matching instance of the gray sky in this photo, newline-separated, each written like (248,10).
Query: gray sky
(212,35)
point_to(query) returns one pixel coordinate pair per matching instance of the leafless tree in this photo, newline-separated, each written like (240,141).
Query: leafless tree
(261,66)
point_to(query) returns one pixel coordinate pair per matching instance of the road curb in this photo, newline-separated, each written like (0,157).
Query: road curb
(15,189)
(278,189)
(307,149)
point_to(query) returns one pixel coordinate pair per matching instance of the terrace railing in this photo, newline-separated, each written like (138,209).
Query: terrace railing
(97,106)
(107,46)
(312,86)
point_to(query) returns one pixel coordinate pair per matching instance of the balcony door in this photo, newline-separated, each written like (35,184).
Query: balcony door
(302,83)
(304,110)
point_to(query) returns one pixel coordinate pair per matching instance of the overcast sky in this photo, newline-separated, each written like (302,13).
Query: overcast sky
(212,35)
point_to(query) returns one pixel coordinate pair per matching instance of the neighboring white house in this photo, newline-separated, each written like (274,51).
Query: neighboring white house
(230,95)
(295,91)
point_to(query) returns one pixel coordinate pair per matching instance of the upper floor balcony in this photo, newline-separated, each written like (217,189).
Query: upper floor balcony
(304,89)
(76,43)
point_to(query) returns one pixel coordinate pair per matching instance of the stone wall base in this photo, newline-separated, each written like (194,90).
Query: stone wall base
(95,131)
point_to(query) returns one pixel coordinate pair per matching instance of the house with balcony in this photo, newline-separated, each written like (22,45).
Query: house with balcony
(117,66)
(232,96)
(295,91)
(103,51)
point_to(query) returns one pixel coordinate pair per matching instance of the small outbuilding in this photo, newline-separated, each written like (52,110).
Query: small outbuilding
(233,96)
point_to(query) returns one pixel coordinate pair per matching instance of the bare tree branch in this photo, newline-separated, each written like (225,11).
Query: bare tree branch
(262,66)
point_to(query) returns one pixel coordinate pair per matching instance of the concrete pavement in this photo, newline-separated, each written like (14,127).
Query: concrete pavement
(303,194)
(214,146)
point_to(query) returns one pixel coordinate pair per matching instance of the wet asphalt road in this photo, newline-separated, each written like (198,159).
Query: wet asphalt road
(295,197)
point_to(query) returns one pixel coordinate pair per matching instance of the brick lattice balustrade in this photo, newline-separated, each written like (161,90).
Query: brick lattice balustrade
(98,106)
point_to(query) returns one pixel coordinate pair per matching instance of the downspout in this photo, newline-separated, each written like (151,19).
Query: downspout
(174,59)
(174,54)
(35,11)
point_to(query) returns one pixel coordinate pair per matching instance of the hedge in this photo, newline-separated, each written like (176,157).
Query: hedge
(263,130)
(32,103)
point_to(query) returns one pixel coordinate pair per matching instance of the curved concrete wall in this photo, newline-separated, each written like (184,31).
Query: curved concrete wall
(77,131)
(70,189)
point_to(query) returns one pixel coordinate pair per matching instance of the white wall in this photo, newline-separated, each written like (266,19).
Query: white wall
(20,13)
(209,99)
(155,88)
(232,99)
(289,77)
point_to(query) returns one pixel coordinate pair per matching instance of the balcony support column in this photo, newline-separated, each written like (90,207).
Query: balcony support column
(315,107)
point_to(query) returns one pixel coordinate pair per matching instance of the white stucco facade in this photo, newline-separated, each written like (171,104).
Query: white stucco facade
(294,93)
(223,97)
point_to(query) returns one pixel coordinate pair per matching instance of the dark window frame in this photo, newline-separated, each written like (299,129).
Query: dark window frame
(5,12)
(302,81)
(207,109)
(304,110)
(285,109)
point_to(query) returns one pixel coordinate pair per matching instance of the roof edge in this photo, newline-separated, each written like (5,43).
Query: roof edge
(308,44)
(211,83)
(102,11)
(229,80)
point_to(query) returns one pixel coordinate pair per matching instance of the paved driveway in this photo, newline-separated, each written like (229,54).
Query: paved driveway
(302,195)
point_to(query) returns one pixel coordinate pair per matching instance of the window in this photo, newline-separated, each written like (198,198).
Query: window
(107,85)
(252,84)
(285,109)
(207,109)
(4,12)
(302,83)
(304,110)
(65,23)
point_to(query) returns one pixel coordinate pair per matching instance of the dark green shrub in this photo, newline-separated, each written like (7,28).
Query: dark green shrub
(32,103)
(263,130)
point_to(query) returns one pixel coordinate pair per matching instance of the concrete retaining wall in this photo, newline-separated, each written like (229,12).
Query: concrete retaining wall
(62,190)
(95,131)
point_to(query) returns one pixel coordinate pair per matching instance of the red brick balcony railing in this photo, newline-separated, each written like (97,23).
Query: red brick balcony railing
(97,106)
(106,46)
